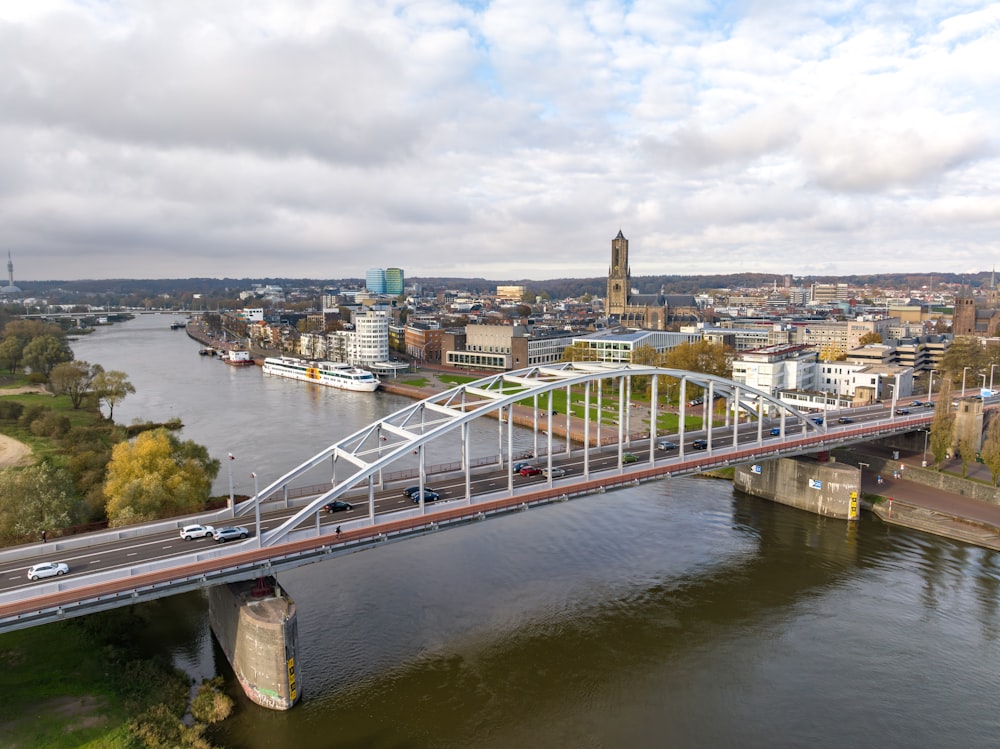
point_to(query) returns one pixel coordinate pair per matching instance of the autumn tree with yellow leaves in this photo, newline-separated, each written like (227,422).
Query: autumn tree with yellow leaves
(156,476)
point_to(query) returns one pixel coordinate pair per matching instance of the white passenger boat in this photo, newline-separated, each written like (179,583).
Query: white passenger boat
(334,374)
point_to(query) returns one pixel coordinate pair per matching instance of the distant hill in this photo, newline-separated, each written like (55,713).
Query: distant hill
(558,288)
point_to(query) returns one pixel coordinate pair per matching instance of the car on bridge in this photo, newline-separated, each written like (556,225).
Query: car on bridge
(666,445)
(902,411)
(630,458)
(47,569)
(529,470)
(556,472)
(817,420)
(196,531)
(222,535)
(518,466)
(429,496)
(338,505)
(413,491)
(775,431)
(845,420)
(699,445)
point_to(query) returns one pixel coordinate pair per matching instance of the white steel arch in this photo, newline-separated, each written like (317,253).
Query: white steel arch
(404,433)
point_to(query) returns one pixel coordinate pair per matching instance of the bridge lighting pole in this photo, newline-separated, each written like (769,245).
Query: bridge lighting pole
(964,370)
(992,367)
(984,380)
(256,506)
(232,507)
(930,384)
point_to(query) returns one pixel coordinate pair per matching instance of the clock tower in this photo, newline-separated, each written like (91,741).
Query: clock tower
(619,278)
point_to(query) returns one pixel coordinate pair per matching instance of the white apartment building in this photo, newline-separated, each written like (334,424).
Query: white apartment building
(865,382)
(366,345)
(777,368)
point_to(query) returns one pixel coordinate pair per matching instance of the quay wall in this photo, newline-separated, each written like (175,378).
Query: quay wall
(828,489)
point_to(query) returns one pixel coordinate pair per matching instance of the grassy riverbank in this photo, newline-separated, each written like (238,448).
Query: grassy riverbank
(91,681)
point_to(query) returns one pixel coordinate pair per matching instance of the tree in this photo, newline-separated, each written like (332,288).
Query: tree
(870,337)
(112,387)
(74,378)
(44,352)
(33,499)
(943,424)
(11,350)
(701,356)
(991,447)
(156,476)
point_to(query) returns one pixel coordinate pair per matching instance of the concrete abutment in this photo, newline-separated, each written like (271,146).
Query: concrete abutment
(256,626)
(828,489)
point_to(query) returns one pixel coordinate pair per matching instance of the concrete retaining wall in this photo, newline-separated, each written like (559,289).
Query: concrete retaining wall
(256,626)
(829,489)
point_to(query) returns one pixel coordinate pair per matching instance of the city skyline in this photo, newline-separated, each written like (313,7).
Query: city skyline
(497,140)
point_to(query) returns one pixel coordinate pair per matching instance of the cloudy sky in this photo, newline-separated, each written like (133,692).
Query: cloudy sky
(508,139)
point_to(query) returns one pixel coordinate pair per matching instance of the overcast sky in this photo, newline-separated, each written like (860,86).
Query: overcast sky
(508,139)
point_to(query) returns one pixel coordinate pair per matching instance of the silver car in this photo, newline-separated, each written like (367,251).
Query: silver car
(47,569)
(228,534)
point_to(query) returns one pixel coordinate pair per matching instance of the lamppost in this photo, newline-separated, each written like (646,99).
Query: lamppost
(926,433)
(232,507)
(861,474)
(256,506)
(964,370)
(930,384)
(992,367)
(984,380)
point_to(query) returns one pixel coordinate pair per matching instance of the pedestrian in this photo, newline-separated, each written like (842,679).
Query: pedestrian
(338,531)
(45,537)
(878,479)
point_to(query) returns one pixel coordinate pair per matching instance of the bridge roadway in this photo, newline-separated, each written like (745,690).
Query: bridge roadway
(149,562)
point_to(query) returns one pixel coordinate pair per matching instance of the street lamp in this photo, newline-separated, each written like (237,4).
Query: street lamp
(992,367)
(256,506)
(964,370)
(930,384)
(984,380)
(926,433)
(232,507)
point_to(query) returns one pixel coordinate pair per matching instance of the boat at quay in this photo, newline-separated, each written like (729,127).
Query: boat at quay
(333,374)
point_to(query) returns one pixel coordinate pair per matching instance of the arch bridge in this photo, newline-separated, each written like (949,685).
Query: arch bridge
(362,458)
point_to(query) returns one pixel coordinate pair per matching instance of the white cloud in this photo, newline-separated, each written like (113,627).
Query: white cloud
(509,139)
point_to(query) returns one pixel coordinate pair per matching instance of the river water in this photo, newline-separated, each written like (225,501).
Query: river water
(673,614)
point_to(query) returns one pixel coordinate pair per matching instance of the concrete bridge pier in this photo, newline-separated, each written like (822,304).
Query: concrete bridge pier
(829,489)
(256,625)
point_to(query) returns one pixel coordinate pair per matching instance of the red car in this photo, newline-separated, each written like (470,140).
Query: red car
(530,471)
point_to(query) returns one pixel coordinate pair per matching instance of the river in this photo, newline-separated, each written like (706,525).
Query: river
(676,613)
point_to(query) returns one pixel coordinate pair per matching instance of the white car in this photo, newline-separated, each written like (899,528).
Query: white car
(196,531)
(556,472)
(47,569)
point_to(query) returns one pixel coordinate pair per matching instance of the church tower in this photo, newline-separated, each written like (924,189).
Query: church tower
(619,278)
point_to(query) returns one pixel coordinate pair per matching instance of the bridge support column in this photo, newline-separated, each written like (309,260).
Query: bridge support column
(256,625)
(829,489)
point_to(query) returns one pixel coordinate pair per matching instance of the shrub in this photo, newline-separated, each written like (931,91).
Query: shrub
(50,424)
(211,704)
(10,410)
(30,413)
